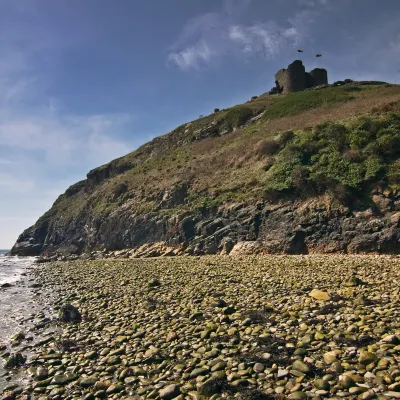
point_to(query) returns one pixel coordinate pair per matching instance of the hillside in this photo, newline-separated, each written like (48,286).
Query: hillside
(312,171)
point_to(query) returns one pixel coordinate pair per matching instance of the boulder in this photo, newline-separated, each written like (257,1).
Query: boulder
(170,392)
(69,314)
(353,281)
(210,387)
(15,360)
(246,248)
(366,357)
(301,366)
(226,245)
(319,295)
(153,283)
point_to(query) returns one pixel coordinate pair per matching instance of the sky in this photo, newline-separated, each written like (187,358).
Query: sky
(85,81)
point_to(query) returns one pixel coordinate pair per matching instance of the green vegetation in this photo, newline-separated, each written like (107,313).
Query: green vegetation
(346,158)
(301,154)
(295,103)
(237,116)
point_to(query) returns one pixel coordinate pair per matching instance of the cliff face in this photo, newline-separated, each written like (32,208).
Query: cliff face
(290,180)
(291,229)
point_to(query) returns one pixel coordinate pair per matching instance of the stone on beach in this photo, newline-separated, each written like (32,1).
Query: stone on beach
(320,295)
(69,313)
(268,337)
(15,360)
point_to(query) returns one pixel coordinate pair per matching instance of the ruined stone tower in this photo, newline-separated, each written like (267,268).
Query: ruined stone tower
(320,76)
(295,78)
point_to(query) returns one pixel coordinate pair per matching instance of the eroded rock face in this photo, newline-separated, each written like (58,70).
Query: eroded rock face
(288,229)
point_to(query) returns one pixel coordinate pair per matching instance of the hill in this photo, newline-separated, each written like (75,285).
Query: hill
(312,171)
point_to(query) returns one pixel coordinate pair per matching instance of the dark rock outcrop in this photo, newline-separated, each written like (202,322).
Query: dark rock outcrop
(15,360)
(69,314)
(292,228)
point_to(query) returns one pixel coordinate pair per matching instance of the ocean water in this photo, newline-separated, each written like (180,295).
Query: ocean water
(16,297)
(17,300)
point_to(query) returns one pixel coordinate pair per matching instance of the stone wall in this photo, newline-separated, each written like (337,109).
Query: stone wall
(320,76)
(291,79)
(296,79)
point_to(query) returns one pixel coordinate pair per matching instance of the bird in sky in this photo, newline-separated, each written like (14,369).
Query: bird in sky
(319,55)
(300,50)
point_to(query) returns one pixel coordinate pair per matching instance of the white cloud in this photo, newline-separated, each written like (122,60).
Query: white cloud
(210,37)
(266,39)
(43,149)
(192,57)
(65,139)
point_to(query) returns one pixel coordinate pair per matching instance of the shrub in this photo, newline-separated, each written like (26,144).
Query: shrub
(281,175)
(353,155)
(286,137)
(346,161)
(371,125)
(394,173)
(300,177)
(359,138)
(335,134)
(388,144)
(267,147)
(373,167)
(332,165)
(120,189)
(216,110)
(341,193)
(237,116)
(268,165)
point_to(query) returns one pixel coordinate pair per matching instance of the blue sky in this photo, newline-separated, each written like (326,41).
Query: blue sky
(85,81)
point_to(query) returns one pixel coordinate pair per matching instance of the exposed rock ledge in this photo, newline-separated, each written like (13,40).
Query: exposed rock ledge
(308,227)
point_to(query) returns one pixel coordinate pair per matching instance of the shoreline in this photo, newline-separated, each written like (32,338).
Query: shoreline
(28,300)
(221,327)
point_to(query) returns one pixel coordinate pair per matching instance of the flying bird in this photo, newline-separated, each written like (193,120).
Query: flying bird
(300,50)
(319,55)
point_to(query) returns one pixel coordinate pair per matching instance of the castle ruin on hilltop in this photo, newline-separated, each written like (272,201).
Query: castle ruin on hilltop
(295,78)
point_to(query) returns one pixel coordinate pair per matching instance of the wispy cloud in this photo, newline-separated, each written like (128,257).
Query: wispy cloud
(64,139)
(313,3)
(43,148)
(267,39)
(208,38)
(196,56)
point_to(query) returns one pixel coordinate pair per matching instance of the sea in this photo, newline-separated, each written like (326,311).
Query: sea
(17,301)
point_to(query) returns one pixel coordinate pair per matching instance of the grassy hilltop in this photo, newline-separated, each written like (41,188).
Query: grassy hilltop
(339,142)
(341,137)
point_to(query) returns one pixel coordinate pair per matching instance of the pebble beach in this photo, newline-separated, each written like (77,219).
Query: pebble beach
(214,327)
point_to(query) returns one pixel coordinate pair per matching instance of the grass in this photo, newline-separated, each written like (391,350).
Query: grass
(240,166)
(296,103)
(348,160)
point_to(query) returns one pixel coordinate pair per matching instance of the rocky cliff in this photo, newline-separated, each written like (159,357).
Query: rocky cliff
(315,171)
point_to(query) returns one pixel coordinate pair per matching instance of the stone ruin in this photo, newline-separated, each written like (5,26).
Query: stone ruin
(295,78)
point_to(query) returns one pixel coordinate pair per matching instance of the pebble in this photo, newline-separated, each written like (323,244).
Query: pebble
(187,327)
